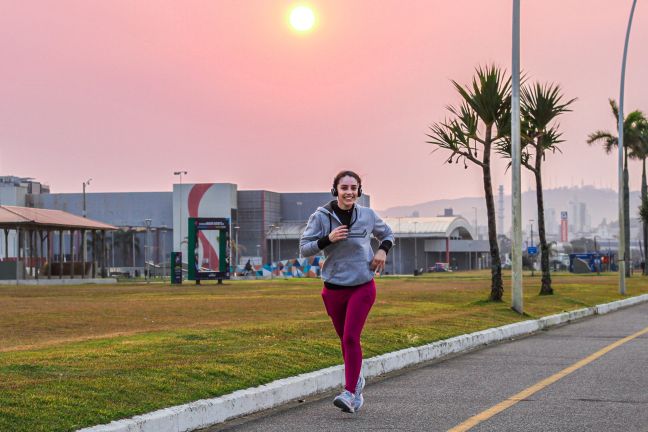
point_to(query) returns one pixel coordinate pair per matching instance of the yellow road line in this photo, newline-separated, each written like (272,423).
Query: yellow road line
(485,415)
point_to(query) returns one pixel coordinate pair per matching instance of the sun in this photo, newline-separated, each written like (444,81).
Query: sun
(302,18)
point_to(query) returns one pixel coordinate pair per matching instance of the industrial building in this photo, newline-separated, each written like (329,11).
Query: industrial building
(265,225)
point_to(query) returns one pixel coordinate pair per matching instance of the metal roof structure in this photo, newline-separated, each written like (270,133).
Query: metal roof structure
(440,226)
(410,227)
(13,217)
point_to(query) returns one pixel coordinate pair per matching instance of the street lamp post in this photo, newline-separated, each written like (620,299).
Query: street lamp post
(533,255)
(622,227)
(85,184)
(84,241)
(516,189)
(180,173)
(272,227)
(531,222)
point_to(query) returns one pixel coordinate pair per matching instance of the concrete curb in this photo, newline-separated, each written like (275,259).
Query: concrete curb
(208,412)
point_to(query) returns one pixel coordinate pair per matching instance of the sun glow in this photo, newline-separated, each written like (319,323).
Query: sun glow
(302,18)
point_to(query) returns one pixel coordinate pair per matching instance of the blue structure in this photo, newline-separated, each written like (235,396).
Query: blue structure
(604,261)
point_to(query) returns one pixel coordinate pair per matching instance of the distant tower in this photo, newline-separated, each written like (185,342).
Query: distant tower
(500,212)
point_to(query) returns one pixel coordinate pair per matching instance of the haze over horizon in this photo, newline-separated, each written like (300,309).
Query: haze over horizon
(128,92)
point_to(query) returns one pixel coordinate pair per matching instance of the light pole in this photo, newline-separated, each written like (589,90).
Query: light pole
(533,255)
(531,222)
(516,189)
(180,173)
(147,269)
(622,227)
(85,184)
(271,251)
(476,226)
(84,242)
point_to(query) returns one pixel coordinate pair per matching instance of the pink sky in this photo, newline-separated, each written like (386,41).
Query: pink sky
(128,91)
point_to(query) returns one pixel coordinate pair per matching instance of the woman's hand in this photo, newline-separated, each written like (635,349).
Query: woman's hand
(339,233)
(378,262)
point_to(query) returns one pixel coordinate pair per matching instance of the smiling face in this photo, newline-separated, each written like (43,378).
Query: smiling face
(347,189)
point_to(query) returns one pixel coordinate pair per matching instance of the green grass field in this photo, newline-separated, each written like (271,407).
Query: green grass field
(77,356)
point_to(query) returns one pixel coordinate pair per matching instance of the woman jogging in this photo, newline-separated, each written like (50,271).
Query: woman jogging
(343,229)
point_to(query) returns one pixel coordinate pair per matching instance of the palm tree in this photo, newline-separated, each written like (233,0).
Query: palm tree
(643,210)
(540,106)
(478,124)
(633,128)
(641,152)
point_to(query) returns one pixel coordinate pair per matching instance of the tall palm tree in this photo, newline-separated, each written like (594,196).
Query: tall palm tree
(643,210)
(641,153)
(478,125)
(633,125)
(540,105)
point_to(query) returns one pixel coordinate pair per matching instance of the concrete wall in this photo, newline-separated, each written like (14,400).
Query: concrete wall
(127,209)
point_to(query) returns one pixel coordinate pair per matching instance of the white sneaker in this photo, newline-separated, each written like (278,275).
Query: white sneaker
(358,401)
(360,385)
(345,401)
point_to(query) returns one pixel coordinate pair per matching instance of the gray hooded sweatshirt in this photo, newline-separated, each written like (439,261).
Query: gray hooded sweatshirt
(347,261)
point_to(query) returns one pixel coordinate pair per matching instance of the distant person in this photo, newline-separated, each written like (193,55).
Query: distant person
(342,229)
(248,268)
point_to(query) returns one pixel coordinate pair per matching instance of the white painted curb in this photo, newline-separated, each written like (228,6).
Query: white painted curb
(208,412)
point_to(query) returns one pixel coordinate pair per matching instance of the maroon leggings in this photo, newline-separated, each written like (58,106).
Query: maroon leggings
(348,309)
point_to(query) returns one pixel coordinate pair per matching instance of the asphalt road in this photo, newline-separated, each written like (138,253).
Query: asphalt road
(608,394)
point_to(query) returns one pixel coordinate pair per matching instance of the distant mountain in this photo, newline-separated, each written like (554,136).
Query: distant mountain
(600,204)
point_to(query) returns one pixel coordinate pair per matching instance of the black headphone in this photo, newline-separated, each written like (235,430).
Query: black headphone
(334,190)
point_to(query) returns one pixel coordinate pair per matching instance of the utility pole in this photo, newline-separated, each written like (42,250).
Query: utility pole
(516,267)
(84,241)
(622,227)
